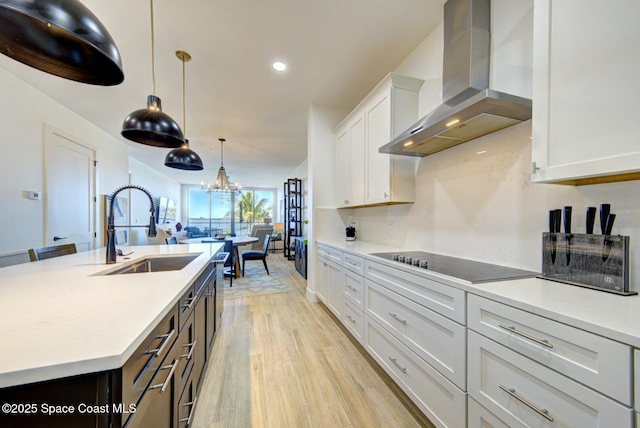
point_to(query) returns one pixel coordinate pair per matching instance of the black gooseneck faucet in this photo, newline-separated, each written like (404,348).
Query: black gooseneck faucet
(111,228)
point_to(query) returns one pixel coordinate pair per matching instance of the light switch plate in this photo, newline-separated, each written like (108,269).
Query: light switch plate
(34,195)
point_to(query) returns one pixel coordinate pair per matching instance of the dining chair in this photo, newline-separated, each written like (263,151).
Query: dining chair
(257,254)
(36,254)
(229,269)
(172,240)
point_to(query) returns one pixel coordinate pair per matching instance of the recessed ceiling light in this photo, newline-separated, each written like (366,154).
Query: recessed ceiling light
(279,66)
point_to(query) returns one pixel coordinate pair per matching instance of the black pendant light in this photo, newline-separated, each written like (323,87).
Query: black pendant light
(60,37)
(150,126)
(184,157)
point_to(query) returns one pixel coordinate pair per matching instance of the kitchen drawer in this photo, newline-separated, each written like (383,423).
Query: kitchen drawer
(438,340)
(353,319)
(441,298)
(187,349)
(353,288)
(186,304)
(523,393)
(145,361)
(329,253)
(479,417)
(600,363)
(187,404)
(440,400)
(353,263)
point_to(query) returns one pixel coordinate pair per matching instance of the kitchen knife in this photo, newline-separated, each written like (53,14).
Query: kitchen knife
(567,219)
(591,219)
(610,219)
(558,220)
(605,209)
(553,223)
(567,231)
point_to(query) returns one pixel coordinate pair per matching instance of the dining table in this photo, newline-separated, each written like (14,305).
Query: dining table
(238,241)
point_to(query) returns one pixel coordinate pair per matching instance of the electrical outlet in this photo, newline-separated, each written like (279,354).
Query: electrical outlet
(34,195)
(391,224)
(354,223)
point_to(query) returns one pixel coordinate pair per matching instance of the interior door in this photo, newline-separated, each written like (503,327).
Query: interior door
(70,197)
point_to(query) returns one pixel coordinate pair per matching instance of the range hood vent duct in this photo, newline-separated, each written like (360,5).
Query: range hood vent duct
(470,109)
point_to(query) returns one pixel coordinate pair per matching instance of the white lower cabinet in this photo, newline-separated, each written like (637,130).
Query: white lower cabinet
(479,417)
(353,320)
(598,362)
(441,401)
(524,393)
(438,340)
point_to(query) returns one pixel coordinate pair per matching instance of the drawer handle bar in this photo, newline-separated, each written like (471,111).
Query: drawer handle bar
(351,288)
(193,406)
(163,386)
(512,329)
(192,346)
(542,412)
(190,300)
(167,339)
(351,318)
(395,362)
(397,318)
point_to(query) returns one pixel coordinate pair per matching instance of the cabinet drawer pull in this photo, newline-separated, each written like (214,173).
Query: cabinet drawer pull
(351,319)
(512,329)
(163,386)
(187,306)
(397,318)
(542,412)
(167,339)
(395,363)
(192,346)
(351,288)
(193,406)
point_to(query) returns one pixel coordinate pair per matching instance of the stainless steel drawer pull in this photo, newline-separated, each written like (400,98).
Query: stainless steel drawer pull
(395,363)
(190,300)
(192,346)
(193,406)
(163,386)
(512,329)
(351,288)
(397,318)
(351,319)
(542,412)
(167,338)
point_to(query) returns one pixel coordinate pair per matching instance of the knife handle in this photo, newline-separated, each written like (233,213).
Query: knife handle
(558,220)
(610,219)
(552,221)
(605,209)
(591,219)
(567,219)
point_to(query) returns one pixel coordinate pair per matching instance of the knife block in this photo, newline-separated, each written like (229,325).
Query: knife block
(600,262)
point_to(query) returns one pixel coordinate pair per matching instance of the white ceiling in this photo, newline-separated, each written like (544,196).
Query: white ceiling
(336,52)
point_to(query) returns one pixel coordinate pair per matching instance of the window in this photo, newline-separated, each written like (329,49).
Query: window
(220,212)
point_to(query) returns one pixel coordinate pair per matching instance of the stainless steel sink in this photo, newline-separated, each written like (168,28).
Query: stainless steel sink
(155,264)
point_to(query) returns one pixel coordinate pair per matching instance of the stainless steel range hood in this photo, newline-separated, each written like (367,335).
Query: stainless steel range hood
(470,109)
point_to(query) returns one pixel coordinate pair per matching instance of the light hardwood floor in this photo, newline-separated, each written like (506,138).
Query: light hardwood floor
(280,361)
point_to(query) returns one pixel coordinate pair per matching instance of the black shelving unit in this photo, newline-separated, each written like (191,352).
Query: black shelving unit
(293,215)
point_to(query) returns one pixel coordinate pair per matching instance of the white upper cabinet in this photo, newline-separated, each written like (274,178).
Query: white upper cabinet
(366,177)
(586,101)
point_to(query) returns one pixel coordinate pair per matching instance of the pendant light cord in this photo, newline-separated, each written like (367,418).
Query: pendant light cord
(184,101)
(153,52)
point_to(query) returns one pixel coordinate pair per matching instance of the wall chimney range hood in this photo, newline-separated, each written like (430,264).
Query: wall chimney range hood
(470,109)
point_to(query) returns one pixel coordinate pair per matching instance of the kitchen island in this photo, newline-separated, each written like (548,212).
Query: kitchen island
(70,316)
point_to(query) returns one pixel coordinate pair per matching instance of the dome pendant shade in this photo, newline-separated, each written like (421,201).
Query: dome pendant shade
(184,158)
(62,38)
(152,127)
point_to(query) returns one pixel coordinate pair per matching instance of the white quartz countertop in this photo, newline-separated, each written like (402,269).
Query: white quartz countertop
(606,314)
(62,317)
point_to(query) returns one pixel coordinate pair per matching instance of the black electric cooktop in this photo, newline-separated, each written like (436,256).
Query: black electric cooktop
(467,270)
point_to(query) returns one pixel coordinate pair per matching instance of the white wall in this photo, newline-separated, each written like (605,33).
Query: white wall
(484,207)
(158,185)
(24,111)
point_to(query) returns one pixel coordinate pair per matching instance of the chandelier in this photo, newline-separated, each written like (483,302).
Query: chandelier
(222,183)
